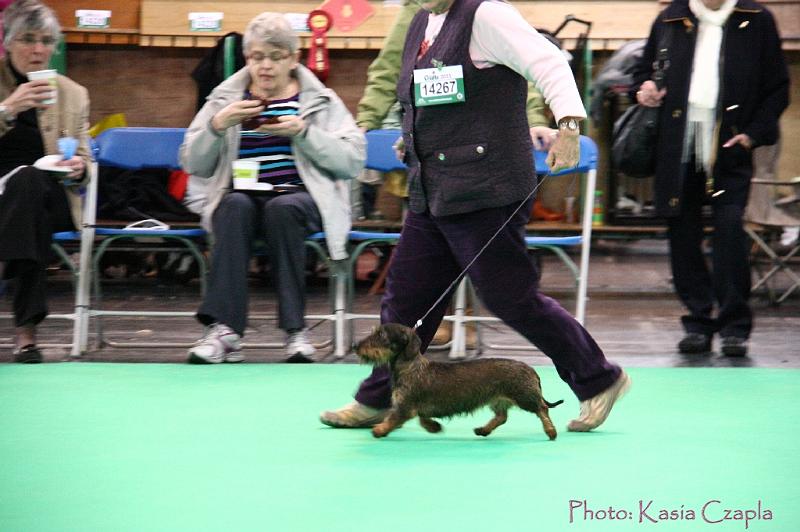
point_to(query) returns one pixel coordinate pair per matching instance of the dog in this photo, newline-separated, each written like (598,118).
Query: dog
(430,390)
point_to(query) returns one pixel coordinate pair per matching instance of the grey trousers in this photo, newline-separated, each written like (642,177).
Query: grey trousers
(283,221)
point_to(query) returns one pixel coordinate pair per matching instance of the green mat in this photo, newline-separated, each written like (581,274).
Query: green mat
(151,447)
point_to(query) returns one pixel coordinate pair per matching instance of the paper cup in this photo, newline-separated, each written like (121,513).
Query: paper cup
(245,173)
(49,75)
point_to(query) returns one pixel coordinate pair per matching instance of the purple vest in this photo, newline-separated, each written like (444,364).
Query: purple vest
(467,156)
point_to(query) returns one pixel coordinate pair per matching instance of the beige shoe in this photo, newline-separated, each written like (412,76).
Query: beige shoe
(471,340)
(443,334)
(595,410)
(353,416)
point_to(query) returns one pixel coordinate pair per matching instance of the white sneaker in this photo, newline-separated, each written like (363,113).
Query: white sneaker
(298,348)
(789,236)
(220,344)
(595,410)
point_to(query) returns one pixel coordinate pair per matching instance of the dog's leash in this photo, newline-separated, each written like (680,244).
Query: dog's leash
(480,252)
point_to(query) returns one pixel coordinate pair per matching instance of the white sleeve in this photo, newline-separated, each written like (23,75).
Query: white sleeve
(500,36)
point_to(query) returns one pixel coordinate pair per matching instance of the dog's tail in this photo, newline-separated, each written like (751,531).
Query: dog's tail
(552,405)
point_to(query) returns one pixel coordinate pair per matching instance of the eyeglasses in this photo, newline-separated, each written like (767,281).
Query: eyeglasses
(275,56)
(31,40)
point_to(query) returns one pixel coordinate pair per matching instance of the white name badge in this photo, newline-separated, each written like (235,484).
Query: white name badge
(439,86)
(205,21)
(92,18)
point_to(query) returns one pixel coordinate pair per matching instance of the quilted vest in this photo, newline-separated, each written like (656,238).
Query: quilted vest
(467,156)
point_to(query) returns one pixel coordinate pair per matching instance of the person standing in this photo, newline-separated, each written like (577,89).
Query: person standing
(726,87)
(470,169)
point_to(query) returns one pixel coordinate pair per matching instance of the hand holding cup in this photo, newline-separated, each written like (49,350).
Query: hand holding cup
(235,113)
(255,121)
(75,164)
(29,95)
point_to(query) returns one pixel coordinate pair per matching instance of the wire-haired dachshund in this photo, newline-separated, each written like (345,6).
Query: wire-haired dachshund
(430,390)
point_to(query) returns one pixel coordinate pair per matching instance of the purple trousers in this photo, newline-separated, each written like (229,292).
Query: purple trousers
(432,252)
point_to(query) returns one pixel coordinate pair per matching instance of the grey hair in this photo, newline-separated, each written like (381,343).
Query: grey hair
(271,28)
(29,15)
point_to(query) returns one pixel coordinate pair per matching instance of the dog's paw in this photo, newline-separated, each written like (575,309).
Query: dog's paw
(431,425)
(482,431)
(379,432)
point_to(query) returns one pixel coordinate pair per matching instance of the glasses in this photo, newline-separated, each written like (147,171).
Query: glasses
(31,40)
(275,56)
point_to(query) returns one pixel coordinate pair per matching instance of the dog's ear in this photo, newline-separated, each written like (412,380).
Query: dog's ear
(412,345)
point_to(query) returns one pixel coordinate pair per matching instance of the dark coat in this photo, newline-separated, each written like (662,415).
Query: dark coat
(754,91)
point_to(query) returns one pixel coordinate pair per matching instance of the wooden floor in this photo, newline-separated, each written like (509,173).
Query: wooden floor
(632,313)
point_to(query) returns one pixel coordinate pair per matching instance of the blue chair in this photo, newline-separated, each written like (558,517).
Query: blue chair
(361,240)
(380,157)
(587,164)
(380,151)
(134,148)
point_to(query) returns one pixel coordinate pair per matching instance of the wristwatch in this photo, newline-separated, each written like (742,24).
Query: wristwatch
(569,124)
(6,116)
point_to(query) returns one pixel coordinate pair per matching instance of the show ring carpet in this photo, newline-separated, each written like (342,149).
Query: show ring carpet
(161,447)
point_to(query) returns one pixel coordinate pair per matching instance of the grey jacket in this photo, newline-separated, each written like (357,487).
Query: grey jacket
(331,152)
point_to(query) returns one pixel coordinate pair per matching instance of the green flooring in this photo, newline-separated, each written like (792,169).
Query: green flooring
(151,447)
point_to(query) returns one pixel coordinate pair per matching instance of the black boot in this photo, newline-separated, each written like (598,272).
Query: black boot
(695,343)
(28,354)
(734,346)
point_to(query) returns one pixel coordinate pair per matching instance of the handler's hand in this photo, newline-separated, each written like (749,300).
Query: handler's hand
(287,126)
(565,151)
(649,95)
(742,139)
(77,166)
(399,148)
(29,95)
(542,137)
(235,113)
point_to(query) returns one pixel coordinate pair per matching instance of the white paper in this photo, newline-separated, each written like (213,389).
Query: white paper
(298,21)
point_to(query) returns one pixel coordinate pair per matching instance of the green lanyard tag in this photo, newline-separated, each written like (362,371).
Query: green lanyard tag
(439,86)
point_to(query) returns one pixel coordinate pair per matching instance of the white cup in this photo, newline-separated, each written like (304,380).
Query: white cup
(49,75)
(245,173)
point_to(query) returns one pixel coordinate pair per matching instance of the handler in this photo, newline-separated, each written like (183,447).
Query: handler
(470,165)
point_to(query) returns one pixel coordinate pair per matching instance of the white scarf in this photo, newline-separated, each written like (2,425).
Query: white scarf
(704,87)
(705,73)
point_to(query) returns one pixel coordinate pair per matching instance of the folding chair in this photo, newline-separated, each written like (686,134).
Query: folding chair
(587,165)
(765,218)
(135,148)
(380,157)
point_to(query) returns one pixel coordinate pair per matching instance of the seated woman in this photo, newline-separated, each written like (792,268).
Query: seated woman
(307,145)
(35,203)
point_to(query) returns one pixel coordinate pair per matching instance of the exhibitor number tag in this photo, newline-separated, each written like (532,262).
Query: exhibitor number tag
(439,86)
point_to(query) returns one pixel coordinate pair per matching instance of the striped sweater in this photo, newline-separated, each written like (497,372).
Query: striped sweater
(273,153)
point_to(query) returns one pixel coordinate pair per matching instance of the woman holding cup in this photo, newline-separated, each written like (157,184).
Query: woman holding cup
(276,115)
(39,195)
